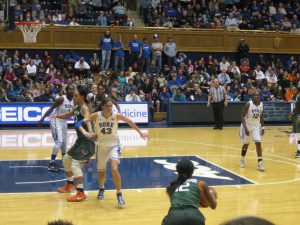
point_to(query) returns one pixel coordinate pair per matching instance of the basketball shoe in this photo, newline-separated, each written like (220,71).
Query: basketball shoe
(297,155)
(79,197)
(121,202)
(53,167)
(101,194)
(260,166)
(67,188)
(242,163)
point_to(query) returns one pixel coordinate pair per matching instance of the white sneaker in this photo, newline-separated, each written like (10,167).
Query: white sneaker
(260,166)
(242,163)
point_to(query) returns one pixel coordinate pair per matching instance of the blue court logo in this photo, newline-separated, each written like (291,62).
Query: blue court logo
(137,173)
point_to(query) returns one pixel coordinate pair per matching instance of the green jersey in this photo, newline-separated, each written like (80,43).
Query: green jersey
(295,105)
(84,148)
(187,194)
(79,116)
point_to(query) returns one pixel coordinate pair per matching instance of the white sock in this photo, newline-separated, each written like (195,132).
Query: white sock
(79,185)
(69,178)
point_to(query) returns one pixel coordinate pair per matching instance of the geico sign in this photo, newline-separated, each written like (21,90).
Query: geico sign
(36,139)
(32,140)
(20,114)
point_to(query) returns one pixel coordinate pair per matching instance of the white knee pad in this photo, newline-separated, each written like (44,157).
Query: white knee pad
(67,162)
(76,169)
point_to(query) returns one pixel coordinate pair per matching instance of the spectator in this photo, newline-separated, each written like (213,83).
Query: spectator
(178,96)
(157,49)
(24,97)
(59,222)
(130,86)
(95,64)
(46,96)
(102,20)
(243,50)
(153,69)
(224,78)
(106,43)
(82,68)
(164,98)
(31,70)
(145,56)
(135,49)
(198,96)
(181,58)
(247,220)
(155,100)
(72,58)
(119,54)
(258,74)
(37,60)
(80,10)
(231,23)
(9,76)
(170,49)
(224,64)
(265,94)
(132,96)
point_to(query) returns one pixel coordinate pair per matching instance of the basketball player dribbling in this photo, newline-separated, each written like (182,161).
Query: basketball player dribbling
(252,124)
(59,127)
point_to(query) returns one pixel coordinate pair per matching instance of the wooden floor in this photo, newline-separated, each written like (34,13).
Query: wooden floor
(275,194)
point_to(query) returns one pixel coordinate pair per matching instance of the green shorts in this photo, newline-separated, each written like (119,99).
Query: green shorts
(296,123)
(82,150)
(184,216)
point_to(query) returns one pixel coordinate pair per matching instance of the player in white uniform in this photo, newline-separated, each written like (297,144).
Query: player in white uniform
(252,124)
(59,127)
(108,147)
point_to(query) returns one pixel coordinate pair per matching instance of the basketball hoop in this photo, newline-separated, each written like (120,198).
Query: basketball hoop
(29,30)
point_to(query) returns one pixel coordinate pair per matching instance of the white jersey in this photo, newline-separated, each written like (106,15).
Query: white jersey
(253,115)
(64,107)
(106,129)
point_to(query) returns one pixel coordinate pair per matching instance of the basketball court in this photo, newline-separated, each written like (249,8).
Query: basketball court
(28,193)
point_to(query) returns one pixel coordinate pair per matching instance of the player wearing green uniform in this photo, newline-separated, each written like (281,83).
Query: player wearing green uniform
(80,152)
(295,117)
(184,195)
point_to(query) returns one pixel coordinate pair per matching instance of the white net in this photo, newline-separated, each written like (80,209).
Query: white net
(30,32)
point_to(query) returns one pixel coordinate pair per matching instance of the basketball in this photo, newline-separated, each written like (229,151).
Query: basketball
(203,200)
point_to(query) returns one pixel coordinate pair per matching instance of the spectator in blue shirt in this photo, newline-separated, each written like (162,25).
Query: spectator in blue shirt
(102,20)
(119,54)
(164,96)
(178,96)
(145,56)
(72,58)
(106,43)
(135,49)
(173,82)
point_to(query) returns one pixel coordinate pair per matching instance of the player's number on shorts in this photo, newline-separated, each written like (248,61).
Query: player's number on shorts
(106,130)
(183,187)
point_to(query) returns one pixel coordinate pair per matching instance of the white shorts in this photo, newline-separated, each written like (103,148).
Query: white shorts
(254,132)
(105,153)
(59,131)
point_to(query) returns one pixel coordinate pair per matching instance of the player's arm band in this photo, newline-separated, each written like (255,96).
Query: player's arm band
(79,124)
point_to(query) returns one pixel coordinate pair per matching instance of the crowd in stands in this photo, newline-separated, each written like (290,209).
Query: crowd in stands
(224,14)
(41,78)
(69,12)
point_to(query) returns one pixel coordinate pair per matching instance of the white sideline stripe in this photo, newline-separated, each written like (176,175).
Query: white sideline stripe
(41,182)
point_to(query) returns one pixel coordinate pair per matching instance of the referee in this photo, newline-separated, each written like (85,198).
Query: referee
(218,98)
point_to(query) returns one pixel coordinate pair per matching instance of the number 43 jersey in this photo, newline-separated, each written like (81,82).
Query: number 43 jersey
(254,112)
(106,129)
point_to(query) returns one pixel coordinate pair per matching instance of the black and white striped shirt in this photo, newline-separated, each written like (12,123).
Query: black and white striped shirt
(217,93)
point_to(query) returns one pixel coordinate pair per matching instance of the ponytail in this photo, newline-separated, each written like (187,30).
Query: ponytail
(176,183)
